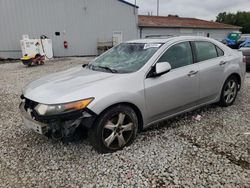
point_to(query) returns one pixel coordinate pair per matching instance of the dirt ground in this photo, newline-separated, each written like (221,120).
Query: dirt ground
(181,152)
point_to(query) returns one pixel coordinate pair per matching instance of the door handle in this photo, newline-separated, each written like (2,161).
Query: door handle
(223,63)
(193,72)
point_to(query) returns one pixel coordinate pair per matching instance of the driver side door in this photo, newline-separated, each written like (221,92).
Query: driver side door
(176,90)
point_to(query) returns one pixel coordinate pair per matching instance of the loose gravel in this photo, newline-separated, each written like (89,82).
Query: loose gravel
(181,152)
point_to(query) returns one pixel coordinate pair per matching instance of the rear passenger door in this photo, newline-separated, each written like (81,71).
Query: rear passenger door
(211,61)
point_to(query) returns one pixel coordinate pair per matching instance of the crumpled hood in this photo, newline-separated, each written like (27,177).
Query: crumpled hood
(67,86)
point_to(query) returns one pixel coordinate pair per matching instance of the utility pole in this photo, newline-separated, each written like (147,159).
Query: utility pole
(158,7)
(135,7)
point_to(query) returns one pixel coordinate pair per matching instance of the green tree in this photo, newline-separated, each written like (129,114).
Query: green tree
(241,19)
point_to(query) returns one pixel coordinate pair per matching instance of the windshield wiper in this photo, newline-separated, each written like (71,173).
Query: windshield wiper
(106,68)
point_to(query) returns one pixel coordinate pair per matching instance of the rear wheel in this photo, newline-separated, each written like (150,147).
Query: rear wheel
(229,92)
(29,63)
(114,129)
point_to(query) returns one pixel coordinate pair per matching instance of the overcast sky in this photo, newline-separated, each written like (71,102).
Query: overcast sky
(203,9)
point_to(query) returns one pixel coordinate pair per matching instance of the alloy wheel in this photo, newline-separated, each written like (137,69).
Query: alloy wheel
(118,131)
(230,91)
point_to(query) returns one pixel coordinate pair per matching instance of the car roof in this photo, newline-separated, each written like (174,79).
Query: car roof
(167,39)
(245,35)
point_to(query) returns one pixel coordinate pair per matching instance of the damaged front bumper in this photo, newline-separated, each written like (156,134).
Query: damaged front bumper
(56,126)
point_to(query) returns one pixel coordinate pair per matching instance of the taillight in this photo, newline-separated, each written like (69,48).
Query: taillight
(244,59)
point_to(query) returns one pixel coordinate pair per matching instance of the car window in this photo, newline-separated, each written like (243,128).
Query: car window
(178,55)
(125,57)
(219,51)
(205,51)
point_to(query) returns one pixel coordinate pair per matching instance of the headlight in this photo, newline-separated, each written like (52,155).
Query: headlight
(43,109)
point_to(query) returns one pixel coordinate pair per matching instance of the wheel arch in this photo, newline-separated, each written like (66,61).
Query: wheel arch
(237,76)
(134,107)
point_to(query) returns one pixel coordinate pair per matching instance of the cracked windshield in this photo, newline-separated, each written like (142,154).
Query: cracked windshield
(125,58)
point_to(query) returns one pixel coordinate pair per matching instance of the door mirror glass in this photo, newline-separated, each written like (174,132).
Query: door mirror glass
(162,68)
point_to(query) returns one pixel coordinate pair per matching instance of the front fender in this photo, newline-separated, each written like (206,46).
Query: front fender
(102,103)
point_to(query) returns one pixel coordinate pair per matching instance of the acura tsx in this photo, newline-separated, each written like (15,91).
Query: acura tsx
(132,86)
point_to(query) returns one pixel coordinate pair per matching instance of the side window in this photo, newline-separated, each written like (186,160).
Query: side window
(178,55)
(205,51)
(219,51)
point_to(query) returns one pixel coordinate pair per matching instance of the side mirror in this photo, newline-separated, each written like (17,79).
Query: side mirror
(159,69)
(162,68)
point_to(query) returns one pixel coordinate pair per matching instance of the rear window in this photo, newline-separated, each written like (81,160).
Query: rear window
(247,45)
(205,51)
(234,36)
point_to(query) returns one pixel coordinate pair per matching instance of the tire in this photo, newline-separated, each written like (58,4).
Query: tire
(114,129)
(229,92)
(29,63)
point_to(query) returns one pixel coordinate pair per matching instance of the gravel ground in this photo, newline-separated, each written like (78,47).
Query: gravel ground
(181,152)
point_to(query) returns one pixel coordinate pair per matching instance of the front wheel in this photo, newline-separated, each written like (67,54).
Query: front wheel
(229,92)
(114,129)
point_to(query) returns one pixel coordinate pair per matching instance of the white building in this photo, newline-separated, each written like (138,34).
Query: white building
(81,23)
(86,24)
(176,26)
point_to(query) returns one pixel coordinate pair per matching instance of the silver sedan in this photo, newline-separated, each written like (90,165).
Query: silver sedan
(131,87)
